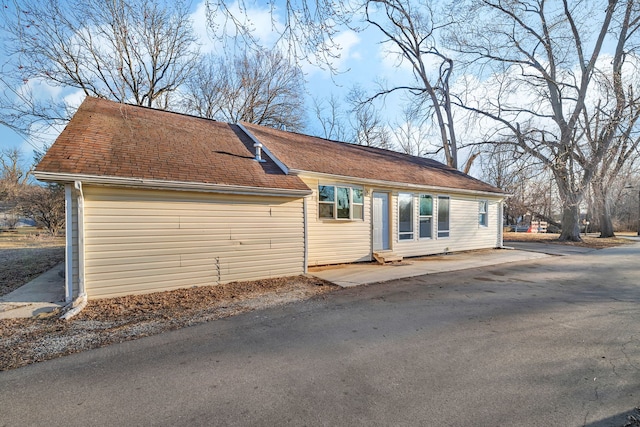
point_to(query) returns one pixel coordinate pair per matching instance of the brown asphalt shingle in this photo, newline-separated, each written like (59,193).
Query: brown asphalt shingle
(307,153)
(110,139)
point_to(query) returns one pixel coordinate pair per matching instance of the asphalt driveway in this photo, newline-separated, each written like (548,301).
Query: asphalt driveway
(552,341)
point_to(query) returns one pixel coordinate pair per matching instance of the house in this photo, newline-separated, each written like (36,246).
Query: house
(159,200)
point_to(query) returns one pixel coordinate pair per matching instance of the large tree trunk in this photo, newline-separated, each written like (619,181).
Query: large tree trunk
(606,225)
(571,219)
(603,208)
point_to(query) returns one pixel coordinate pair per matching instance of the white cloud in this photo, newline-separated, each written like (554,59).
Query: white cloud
(74,99)
(263,24)
(346,43)
(201,28)
(39,89)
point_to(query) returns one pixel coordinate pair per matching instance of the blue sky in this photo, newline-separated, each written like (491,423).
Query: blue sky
(362,61)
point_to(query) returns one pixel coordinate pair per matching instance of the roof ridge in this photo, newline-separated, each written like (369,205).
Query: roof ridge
(352,144)
(155,110)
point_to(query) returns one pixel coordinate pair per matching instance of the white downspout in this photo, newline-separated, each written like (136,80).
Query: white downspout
(306,235)
(81,301)
(501,226)
(68,265)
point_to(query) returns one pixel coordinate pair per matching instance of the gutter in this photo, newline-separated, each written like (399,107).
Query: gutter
(382,183)
(169,185)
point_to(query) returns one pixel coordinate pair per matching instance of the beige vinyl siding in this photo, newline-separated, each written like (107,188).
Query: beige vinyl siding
(333,241)
(464,231)
(140,241)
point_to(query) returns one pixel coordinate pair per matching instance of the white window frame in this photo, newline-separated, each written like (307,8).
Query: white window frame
(483,213)
(353,203)
(408,235)
(336,187)
(421,217)
(442,233)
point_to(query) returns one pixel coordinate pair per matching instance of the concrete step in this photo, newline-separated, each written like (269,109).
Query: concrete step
(385,257)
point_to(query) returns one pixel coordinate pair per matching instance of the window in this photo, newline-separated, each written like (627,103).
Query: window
(358,203)
(336,202)
(482,213)
(443,216)
(344,203)
(405,216)
(326,201)
(426,216)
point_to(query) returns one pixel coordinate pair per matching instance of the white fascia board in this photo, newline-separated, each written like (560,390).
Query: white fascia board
(399,185)
(156,184)
(265,149)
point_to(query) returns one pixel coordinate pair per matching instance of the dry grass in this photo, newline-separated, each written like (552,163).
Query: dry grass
(589,241)
(26,254)
(28,237)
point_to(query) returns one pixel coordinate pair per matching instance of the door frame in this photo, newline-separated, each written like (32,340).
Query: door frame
(388,222)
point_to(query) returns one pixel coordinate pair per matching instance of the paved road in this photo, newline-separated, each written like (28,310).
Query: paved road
(550,342)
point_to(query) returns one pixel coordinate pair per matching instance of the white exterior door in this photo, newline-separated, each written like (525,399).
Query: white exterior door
(380,221)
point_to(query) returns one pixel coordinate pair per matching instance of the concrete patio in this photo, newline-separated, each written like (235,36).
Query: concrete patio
(347,275)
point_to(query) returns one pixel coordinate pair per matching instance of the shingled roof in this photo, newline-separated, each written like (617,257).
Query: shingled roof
(126,142)
(306,153)
(109,139)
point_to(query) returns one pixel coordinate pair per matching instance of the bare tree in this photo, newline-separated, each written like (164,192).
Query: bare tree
(258,87)
(546,54)
(624,194)
(365,120)
(622,151)
(528,184)
(332,119)
(137,51)
(411,28)
(13,183)
(45,205)
(307,29)
(409,135)
(13,176)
